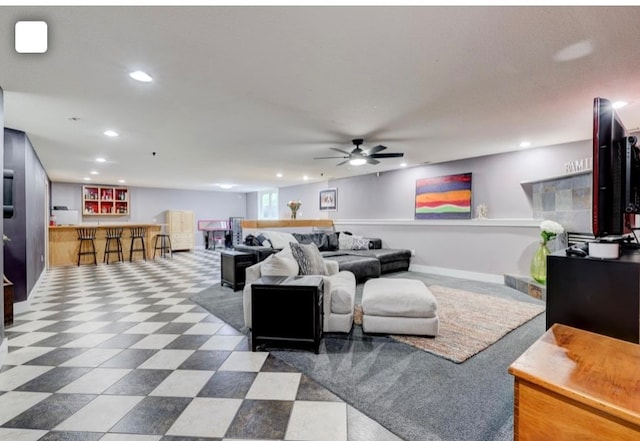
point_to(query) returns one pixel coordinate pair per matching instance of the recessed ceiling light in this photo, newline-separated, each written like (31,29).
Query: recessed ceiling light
(619,104)
(305,177)
(404,164)
(525,144)
(358,161)
(111,133)
(101,160)
(225,186)
(87,178)
(122,181)
(279,175)
(574,51)
(93,172)
(139,75)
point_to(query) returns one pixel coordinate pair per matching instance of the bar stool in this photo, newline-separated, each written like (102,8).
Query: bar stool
(113,235)
(164,246)
(137,233)
(87,246)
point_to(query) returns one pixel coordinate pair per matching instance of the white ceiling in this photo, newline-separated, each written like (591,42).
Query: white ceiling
(242,93)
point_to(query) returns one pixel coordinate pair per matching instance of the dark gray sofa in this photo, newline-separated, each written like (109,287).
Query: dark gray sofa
(364,264)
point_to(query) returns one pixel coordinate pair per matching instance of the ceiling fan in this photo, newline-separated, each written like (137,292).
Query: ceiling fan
(357,156)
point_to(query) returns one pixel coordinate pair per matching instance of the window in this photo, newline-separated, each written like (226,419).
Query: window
(268,204)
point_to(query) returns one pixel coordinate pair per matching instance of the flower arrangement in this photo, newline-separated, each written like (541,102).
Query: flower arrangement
(549,230)
(294,206)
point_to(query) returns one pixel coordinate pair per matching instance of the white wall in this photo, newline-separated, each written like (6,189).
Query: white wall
(252,205)
(382,205)
(147,205)
(309,196)
(476,249)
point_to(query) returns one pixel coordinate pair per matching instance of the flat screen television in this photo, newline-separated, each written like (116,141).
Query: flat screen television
(8,194)
(616,173)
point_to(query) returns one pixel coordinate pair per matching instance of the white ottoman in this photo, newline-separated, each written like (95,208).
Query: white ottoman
(399,306)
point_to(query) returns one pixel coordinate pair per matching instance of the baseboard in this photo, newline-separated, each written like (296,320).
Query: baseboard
(21,307)
(25,305)
(450,272)
(4,350)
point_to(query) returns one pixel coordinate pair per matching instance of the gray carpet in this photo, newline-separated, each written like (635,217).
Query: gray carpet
(417,395)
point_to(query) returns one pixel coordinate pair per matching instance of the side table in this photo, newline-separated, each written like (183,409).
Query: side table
(232,267)
(287,311)
(573,384)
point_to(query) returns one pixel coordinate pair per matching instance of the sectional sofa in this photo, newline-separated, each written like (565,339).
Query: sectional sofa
(364,257)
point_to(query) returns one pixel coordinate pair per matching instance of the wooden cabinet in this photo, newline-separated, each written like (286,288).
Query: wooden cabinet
(181,227)
(577,385)
(596,295)
(100,200)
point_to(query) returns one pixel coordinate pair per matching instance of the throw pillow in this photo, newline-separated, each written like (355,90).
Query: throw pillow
(251,240)
(309,259)
(332,239)
(320,239)
(263,241)
(279,240)
(360,243)
(279,264)
(346,242)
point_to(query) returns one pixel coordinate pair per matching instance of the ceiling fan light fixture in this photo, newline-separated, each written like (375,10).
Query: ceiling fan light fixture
(358,161)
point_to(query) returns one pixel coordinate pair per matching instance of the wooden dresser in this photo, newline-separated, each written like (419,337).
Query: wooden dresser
(181,226)
(576,385)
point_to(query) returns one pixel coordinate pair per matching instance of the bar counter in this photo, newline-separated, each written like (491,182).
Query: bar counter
(64,243)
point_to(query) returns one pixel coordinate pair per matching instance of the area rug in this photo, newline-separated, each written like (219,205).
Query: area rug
(471,322)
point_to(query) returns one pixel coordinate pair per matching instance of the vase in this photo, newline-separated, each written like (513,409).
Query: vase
(293,214)
(539,264)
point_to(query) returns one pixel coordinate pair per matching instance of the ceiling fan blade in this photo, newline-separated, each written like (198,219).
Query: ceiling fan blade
(331,157)
(376,149)
(387,155)
(343,162)
(340,150)
(372,161)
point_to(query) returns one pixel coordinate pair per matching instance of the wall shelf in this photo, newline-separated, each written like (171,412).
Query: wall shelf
(555,178)
(101,200)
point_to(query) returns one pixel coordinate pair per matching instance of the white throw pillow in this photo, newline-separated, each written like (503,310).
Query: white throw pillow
(347,242)
(278,239)
(360,243)
(279,264)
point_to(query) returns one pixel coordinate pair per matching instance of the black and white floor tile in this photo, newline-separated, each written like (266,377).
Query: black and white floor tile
(119,353)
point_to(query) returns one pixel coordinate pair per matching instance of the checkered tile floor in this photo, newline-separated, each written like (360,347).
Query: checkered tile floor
(118,352)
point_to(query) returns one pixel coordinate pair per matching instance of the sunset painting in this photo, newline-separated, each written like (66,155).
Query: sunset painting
(444,197)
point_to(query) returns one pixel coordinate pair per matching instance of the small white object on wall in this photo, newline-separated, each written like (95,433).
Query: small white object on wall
(482,211)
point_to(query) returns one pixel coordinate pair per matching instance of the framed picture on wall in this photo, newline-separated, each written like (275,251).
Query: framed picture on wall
(444,197)
(329,199)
